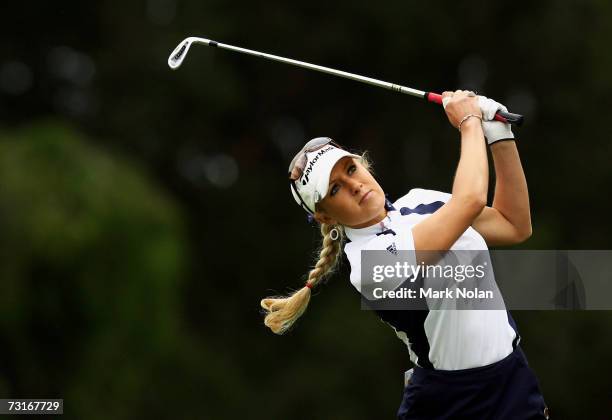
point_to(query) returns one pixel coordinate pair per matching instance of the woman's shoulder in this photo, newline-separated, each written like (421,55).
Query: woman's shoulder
(418,196)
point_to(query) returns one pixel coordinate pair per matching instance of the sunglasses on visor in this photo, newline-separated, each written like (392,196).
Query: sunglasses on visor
(298,164)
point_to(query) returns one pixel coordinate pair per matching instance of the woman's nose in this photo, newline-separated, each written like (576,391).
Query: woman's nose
(355,186)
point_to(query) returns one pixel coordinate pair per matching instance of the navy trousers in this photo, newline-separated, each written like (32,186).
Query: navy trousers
(505,390)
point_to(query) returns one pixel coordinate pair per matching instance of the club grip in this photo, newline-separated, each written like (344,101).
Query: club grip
(509,117)
(505,117)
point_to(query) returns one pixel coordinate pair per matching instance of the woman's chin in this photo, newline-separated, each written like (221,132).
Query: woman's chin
(375,202)
(372,209)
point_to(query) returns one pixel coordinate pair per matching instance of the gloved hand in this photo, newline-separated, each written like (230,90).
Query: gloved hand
(493,130)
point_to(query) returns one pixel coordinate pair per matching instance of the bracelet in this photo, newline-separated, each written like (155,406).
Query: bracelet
(467,117)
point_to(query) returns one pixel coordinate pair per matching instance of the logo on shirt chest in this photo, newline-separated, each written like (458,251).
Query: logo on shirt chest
(392,249)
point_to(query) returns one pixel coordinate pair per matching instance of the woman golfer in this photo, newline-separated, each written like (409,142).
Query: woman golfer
(468,363)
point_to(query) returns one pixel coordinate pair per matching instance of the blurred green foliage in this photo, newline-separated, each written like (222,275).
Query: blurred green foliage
(92,258)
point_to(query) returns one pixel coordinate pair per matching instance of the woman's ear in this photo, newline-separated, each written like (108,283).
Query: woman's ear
(322,217)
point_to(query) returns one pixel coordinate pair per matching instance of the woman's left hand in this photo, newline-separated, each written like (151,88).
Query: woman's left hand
(493,130)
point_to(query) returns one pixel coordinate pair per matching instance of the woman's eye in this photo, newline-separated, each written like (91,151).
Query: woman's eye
(335,188)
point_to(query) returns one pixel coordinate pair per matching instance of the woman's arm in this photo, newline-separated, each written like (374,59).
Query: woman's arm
(469,195)
(508,221)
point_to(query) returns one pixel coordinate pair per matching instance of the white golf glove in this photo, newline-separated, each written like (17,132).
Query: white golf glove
(493,130)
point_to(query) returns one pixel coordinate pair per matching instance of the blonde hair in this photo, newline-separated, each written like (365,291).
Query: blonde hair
(282,312)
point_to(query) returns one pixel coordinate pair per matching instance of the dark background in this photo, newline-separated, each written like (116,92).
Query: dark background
(145,212)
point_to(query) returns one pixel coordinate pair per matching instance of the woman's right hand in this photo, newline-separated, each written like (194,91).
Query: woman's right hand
(458,104)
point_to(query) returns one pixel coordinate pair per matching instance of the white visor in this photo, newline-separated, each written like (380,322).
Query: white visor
(313,184)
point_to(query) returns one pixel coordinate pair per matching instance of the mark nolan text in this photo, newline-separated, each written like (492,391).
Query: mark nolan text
(429,293)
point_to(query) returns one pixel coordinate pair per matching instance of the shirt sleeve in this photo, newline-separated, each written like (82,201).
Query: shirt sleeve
(417,196)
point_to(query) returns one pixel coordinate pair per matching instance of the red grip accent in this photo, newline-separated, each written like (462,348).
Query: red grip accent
(434,97)
(500,118)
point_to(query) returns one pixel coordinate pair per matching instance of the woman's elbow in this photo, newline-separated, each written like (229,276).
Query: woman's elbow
(473,203)
(523,233)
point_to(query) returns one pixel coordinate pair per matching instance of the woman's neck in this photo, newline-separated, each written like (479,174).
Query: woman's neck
(380,217)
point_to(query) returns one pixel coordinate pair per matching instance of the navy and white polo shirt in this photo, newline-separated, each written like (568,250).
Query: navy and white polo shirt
(436,339)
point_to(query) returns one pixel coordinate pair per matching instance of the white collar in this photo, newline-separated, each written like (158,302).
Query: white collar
(359,234)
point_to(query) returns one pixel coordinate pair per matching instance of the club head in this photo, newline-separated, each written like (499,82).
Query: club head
(180,52)
(178,55)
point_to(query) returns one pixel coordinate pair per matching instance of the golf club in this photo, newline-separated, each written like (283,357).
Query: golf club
(180,52)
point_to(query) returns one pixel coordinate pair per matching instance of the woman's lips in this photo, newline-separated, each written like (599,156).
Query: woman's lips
(365,197)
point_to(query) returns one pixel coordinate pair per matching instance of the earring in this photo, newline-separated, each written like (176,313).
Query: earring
(334,234)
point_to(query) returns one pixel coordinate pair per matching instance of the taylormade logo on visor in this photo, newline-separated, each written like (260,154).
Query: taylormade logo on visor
(312,162)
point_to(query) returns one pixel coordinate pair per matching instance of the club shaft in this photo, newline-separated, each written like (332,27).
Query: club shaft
(180,51)
(323,69)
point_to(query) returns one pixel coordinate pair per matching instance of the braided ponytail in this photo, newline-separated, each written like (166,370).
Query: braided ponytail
(282,312)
